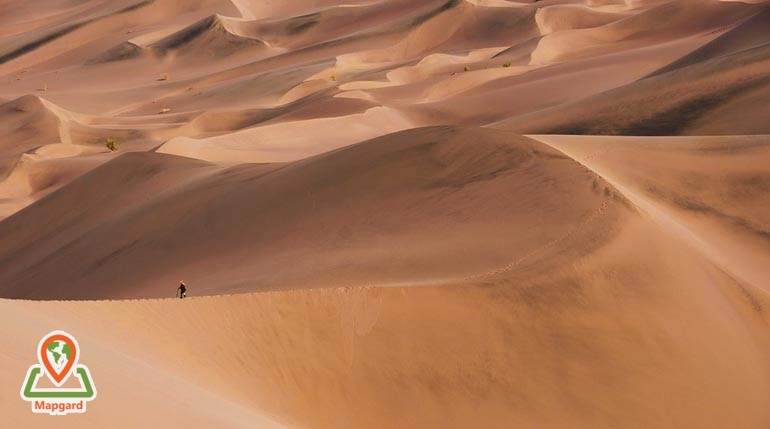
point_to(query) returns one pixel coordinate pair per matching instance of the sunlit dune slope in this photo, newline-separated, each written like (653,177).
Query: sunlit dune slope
(598,340)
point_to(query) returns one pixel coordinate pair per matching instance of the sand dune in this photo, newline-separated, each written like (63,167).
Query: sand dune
(718,96)
(287,141)
(405,191)
(32,130)
(744,36)
(219,60)
(586,315)
(49,146)
(368,239)
(551,19)
(588,344)
(208,38)
(666,21)
(710,189)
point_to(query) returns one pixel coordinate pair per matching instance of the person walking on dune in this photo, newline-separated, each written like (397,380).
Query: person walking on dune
(181,290)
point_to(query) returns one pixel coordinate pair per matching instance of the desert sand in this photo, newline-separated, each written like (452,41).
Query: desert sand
(390,213)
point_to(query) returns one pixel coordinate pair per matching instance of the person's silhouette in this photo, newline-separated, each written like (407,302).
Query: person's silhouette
(181,290)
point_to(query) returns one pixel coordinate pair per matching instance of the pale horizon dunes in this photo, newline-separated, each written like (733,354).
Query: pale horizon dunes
(390,213)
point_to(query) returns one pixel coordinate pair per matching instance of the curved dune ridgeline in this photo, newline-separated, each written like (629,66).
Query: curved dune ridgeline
(599,342)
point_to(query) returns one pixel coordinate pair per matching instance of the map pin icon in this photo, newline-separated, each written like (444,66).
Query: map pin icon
(58,354)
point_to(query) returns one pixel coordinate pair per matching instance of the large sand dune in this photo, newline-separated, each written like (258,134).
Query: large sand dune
(390,213)
(599,340)
(406,207)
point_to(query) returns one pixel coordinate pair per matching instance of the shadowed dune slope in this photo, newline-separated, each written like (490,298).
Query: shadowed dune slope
(26,123)
(426,205)
(710,190)
(76,32)
(724,96)
(747,35)
(207,38)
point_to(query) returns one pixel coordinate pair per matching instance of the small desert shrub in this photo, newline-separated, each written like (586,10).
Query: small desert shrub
(466,68)
(334,77)
(165,76)
(112,144)
(507,64)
